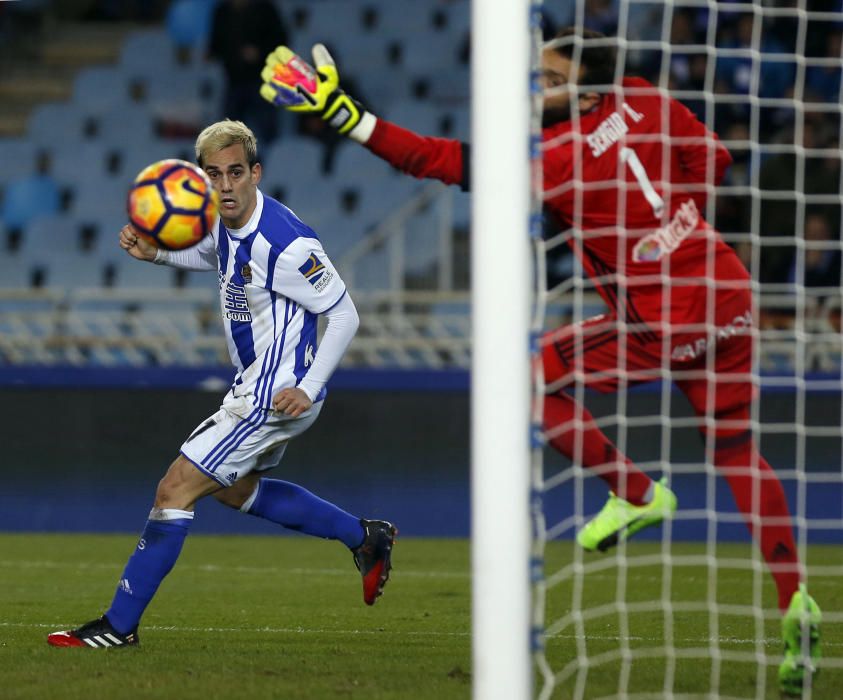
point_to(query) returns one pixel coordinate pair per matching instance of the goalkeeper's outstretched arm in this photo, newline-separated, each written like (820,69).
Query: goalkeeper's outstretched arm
(290,82)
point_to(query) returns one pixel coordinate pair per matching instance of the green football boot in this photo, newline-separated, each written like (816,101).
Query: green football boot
(802,613)
(619,519)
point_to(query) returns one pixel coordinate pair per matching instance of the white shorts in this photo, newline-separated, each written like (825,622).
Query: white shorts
(241,438)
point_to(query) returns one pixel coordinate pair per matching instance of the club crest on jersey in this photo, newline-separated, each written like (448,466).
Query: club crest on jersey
(246,274)
(666,239)
(315,272)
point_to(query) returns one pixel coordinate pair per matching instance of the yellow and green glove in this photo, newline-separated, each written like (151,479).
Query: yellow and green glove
(292,83)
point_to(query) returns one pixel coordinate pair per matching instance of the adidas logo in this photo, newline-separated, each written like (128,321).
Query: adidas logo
(231,477)
(124,586)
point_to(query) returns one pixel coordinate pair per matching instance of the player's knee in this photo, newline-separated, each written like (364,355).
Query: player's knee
(238,493)
(182,486)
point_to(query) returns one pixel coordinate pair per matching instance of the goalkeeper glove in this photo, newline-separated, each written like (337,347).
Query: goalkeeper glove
(290,82)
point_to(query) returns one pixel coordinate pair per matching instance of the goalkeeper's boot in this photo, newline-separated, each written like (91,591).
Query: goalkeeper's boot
(97,634)
(373,557)
(619,519)
(803,615)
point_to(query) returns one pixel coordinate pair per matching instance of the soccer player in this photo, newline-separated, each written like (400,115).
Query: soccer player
(628,168)
(275,280)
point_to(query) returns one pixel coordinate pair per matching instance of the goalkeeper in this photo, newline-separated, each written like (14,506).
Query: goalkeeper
(664,273)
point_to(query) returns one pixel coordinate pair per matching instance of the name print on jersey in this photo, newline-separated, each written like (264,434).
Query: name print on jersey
(315,272)
(236,306)
(611,130)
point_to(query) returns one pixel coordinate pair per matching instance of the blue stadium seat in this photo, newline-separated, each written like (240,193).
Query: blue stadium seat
(334,13)
(313,202)
(70,269)
(404,18)
(79,161)
(355,164)
(293,161)
(451,85)
(53,234)
(27,198)
(100,88)
(23,153)
(132,274)
(147,51)
(15,272)
(423,117)
(428,53)
(100,197)
(124,122)
(55,124)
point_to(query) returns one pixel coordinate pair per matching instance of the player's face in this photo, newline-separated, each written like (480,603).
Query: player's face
(236,183)
(558,83)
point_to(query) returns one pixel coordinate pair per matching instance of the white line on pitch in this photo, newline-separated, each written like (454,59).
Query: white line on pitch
(767,641)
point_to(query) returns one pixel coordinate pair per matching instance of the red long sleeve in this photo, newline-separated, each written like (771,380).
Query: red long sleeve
(420,156)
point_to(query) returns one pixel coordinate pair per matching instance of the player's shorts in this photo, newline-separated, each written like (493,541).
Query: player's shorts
(713,369)
(241,438)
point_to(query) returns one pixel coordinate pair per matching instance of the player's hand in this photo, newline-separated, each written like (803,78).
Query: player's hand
(291,82)
(135,245)
(292,401)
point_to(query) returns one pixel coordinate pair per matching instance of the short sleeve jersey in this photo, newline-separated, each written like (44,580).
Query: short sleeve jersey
(274,280)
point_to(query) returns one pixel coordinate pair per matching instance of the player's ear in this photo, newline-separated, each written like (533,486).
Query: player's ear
(256,173)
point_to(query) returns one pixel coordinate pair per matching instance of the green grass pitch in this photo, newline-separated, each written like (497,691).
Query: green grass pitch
(264,617)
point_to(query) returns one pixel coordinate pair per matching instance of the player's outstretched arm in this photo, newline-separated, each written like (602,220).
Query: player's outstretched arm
(136,246)
(290,82)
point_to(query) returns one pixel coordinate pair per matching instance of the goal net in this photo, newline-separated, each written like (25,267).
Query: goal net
(688,608)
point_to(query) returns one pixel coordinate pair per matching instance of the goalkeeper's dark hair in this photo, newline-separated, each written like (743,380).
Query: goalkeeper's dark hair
(598,56)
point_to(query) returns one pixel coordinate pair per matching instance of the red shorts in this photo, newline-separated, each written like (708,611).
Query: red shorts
(713,369)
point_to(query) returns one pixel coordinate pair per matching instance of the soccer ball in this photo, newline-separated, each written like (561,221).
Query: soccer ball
(172,204)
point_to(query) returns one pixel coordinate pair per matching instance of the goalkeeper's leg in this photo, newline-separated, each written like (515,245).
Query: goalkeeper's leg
(635,500)
(760,496)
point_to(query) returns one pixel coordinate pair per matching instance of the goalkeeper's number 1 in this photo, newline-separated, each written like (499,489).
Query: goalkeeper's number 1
(630,158)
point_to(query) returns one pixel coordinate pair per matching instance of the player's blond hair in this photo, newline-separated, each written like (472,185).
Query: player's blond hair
(224,134)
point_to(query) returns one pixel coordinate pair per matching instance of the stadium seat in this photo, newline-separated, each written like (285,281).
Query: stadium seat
(53,125)
(147,51)
(128,120)
(15,272)
(79,161)
(425,118)
(293,161)
(70,269)
(428,53)
(23,153)
(358,165)
(100,197)
(56,233)
(29,197)
(334,13)
(402,19)
(100,88)
(131,273)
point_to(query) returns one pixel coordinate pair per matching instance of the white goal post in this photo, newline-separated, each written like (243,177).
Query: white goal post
(500,387)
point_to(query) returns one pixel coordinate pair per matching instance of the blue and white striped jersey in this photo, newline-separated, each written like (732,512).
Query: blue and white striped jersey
(274,280)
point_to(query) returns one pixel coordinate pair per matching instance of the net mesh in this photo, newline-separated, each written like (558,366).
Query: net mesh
(689,608)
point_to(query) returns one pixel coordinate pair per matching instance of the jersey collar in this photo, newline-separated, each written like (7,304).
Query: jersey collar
(252,224)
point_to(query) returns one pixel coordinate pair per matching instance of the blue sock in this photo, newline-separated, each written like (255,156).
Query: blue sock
(296,508)
(158,548)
